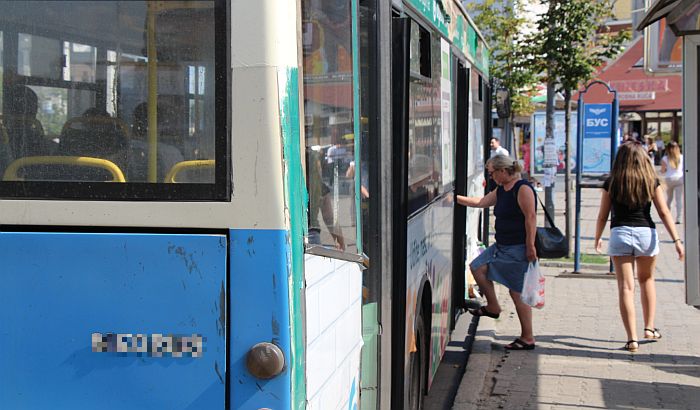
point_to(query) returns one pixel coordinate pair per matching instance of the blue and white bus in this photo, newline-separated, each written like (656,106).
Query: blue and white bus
(235,204)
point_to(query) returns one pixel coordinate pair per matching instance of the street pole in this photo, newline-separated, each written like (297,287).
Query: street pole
(549,137)
(579,165)
(567,174)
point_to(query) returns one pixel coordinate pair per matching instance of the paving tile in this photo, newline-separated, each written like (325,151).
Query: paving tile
(579,361)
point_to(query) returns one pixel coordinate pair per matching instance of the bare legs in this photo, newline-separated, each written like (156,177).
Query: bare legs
(524,311)
(645,275)
(486,287)
(525,317)
(624,269)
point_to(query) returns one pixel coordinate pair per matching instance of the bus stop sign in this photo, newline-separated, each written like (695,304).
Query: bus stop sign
(597,138)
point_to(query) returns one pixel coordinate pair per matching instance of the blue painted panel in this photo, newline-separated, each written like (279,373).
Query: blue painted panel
(59,288)
(260,266)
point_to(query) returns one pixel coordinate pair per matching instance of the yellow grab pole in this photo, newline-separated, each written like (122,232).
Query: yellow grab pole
(152,95)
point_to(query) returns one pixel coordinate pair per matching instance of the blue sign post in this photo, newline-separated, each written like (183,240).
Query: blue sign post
(597,126)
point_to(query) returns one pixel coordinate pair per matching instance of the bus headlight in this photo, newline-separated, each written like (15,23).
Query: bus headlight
(265,360)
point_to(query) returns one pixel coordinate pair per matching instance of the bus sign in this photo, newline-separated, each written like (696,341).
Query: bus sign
(597,126)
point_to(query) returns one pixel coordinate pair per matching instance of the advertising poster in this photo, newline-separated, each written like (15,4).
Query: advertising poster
(538,143)
(597,128)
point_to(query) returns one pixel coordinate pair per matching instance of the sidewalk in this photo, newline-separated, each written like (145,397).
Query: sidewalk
(579,361)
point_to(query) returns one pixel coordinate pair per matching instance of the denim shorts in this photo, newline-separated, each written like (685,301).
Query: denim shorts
(633,241)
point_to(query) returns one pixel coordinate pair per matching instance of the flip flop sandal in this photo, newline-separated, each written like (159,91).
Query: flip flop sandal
(654,333)
(631,346)
(519,344)
(483,312)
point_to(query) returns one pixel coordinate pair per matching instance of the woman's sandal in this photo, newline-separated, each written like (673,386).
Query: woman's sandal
(654,333)
(519,344)
(631,346)
(483,312)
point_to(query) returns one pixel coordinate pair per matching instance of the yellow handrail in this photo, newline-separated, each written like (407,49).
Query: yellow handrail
(177,168)
(111,167)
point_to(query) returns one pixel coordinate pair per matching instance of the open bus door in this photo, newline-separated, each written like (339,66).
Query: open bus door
(400,53)
(691,68)
(461,167)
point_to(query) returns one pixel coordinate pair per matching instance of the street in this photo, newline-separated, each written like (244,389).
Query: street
(579,361)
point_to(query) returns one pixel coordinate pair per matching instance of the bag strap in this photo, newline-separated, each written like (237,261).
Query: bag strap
(549,217)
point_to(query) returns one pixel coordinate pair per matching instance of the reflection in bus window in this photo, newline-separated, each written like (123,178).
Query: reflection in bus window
(75,86)
(328,110)
(425,180)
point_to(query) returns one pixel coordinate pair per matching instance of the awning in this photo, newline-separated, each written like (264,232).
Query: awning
(656,12)
(683,16)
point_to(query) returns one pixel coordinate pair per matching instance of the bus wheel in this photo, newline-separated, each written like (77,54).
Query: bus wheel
(418,369)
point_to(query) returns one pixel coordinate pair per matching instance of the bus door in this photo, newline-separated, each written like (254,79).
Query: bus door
(400,72)
(423,220)
(691,153)
(461,117)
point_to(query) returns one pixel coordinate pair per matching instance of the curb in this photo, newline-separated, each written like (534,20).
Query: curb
(478,365)
(570,265)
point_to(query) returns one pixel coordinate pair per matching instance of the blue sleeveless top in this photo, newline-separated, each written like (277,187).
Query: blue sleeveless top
(510,220)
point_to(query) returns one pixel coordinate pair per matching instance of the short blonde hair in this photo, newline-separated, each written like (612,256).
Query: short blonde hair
(504,162)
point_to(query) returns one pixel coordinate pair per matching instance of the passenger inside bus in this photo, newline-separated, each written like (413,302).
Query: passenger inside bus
(95,134)
(24,131)
(168,155)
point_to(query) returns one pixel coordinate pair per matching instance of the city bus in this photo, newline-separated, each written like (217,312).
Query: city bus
(235,204)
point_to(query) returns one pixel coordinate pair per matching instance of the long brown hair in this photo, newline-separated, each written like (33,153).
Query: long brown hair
(673,152)
(633,178)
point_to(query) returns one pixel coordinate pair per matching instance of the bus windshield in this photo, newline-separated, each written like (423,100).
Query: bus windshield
(98,92)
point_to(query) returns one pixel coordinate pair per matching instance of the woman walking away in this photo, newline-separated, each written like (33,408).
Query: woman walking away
(672,171)
(629,192)
(507,260)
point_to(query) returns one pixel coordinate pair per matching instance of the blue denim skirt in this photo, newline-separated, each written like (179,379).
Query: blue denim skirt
(507,265)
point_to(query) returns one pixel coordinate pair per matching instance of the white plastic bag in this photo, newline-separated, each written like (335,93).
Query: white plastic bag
(533,286)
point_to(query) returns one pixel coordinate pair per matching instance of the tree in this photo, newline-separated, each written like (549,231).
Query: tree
(573,44)
(510,68)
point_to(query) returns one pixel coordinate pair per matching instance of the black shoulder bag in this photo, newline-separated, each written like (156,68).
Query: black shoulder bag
(549,241)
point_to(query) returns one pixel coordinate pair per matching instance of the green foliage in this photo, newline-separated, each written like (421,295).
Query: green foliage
(511,65)
(574,42)
(521,105)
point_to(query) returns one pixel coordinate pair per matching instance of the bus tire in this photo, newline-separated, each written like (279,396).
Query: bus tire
(418,370)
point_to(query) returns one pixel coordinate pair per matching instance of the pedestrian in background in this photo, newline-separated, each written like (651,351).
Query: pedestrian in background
(672,171)
(634,244)
(507,260)
(496,148)
(659,148)
(525,155)
(651,149)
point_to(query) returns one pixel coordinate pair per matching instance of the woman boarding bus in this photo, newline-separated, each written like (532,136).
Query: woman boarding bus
(182,223)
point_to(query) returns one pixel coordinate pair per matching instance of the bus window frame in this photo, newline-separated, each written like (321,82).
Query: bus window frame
(220,190)
(416,206)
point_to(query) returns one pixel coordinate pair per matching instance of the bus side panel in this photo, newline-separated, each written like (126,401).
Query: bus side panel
(260,270)
(85,319)
(430,257)
(333,332)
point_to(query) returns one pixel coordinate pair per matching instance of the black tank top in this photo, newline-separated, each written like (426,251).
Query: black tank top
(510,220)
(622,215)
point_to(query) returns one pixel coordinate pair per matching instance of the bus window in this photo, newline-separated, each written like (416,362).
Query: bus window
(425,179)
(329,134)
(138,93)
